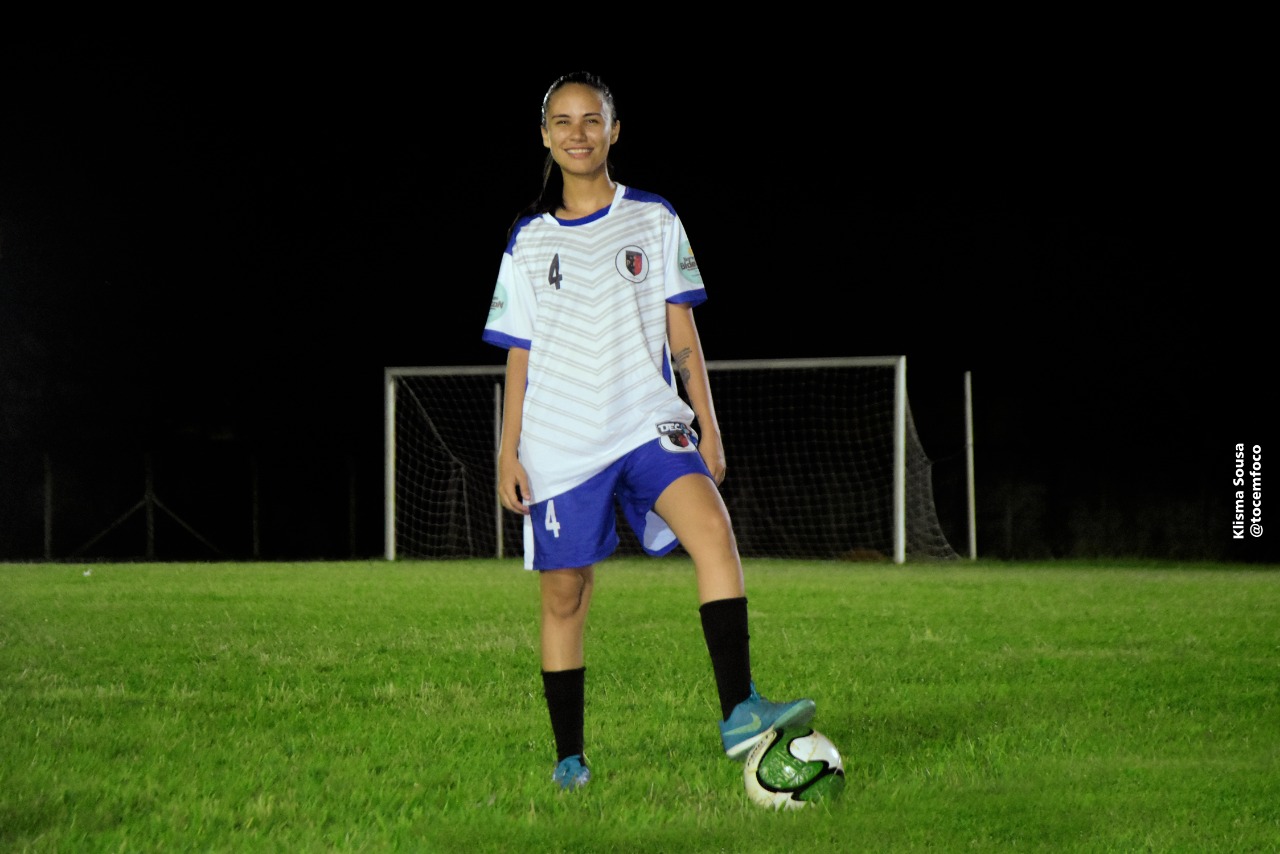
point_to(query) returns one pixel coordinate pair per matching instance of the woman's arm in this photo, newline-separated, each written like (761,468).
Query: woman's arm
(513,480)
(688,361)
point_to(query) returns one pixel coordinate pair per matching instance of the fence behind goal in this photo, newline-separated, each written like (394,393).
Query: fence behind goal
(824,462)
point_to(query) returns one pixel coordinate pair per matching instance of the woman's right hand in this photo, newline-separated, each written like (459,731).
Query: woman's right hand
(513,485)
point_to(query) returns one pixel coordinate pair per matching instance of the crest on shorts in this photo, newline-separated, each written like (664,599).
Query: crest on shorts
(632,263)
(677,437)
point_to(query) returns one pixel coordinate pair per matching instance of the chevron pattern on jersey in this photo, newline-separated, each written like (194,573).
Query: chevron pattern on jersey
(599,379)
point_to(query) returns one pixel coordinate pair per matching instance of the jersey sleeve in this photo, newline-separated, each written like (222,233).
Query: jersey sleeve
(684,281)
(513,307)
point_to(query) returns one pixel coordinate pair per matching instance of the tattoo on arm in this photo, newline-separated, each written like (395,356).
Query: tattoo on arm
(679,360)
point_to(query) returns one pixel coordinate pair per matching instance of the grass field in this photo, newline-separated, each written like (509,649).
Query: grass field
(372,706)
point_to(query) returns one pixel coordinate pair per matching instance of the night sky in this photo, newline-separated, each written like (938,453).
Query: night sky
(232,244)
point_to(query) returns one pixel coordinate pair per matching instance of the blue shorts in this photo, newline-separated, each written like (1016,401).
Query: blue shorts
(579,527)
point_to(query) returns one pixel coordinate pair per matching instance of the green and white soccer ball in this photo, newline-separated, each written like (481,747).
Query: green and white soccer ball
(793,767)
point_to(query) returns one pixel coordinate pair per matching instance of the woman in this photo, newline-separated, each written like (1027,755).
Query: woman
(594,304)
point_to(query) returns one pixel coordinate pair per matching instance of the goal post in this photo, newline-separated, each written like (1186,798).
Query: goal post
(824,462)
(442,429)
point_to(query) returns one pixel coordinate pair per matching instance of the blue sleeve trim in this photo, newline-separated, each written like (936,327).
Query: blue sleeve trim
(693,298)
(506,342)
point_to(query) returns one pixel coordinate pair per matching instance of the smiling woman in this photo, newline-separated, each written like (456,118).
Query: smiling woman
(594,306)
(579,135)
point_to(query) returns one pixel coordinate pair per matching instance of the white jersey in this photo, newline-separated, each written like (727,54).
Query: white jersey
(588,299)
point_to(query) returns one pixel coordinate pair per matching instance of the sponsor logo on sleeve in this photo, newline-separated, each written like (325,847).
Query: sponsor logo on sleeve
(689,264)
(498,306)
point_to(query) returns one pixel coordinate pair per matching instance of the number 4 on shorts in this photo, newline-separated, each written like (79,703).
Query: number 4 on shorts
(551,524)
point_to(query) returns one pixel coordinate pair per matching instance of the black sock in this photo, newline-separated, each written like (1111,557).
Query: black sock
(724,623)
(565,691)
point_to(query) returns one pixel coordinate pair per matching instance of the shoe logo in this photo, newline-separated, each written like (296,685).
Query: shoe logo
(746,728)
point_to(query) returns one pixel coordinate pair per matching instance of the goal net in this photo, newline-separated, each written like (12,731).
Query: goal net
(824,462)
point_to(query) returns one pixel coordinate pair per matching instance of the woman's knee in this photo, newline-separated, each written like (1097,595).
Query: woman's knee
(566,593)
(708,530)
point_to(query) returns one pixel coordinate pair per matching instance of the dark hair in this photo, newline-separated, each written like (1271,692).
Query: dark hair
(552,195)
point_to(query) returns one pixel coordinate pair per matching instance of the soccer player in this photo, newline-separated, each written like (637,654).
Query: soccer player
(594,305)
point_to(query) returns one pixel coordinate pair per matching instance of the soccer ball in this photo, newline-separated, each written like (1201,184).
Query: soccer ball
(793,767)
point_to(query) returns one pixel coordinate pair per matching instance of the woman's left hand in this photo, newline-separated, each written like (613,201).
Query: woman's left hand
(713,455)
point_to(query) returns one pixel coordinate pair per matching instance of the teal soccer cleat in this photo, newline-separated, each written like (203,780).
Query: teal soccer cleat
(572,773)
(755,716)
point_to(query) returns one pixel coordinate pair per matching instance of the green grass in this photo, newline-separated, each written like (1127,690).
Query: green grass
(397,707)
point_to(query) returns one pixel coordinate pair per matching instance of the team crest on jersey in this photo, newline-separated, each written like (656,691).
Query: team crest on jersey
(632,263)
(677,437)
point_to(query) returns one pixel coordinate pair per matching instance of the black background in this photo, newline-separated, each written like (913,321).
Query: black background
(228,243)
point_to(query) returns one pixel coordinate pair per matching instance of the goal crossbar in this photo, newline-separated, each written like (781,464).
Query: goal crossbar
(804,435)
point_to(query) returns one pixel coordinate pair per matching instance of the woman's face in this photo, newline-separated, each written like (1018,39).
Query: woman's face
(579,130)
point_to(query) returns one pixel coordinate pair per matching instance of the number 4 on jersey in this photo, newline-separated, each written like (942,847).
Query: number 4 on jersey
(553,273)
(550,522)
